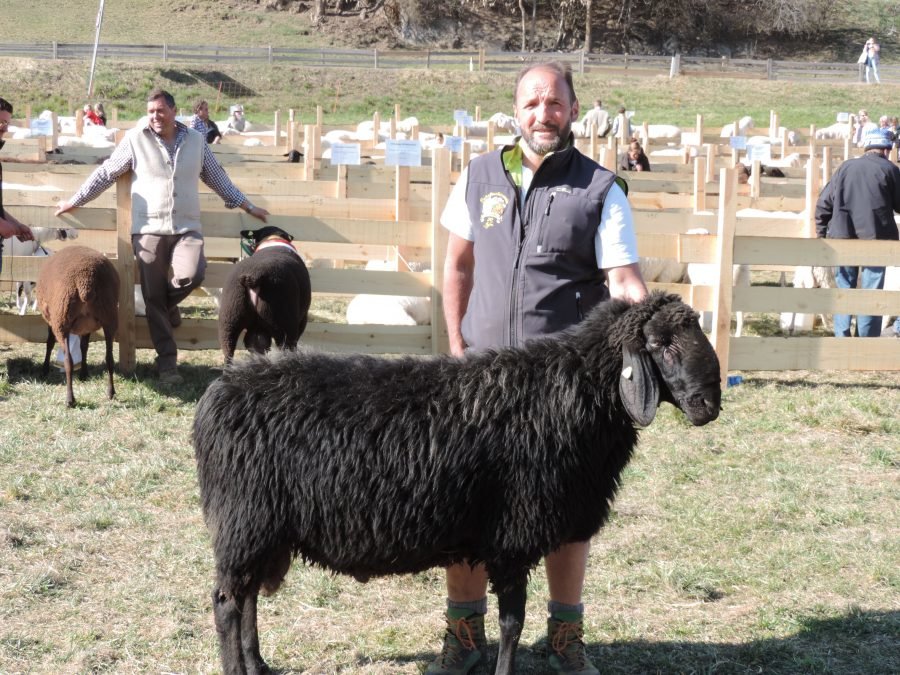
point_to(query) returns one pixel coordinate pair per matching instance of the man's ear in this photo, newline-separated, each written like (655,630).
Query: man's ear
(575,109)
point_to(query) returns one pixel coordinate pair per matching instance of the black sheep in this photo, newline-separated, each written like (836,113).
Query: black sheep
(372,466)
(267,295)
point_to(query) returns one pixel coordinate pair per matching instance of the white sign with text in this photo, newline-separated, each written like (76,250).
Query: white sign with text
(403,153)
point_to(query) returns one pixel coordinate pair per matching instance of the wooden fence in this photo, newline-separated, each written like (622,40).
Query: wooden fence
(480,59)
(357,213)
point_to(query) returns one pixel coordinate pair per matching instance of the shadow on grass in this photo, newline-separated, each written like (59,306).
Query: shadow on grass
(196,377)
(858,643)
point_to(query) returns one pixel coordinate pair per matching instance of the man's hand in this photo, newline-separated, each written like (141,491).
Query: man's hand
(259,213)
(63,207)
(10,228)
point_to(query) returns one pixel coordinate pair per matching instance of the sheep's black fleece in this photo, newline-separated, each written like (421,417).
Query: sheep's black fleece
(372,466)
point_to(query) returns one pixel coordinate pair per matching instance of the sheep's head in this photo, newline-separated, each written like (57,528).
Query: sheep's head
(667,357)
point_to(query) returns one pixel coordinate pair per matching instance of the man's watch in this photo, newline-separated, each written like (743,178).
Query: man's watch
(250,206)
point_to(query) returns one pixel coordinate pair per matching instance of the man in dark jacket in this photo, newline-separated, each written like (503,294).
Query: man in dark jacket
(539,234)
(859,203)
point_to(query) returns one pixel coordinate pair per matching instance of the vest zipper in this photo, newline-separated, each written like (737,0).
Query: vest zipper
(579,312)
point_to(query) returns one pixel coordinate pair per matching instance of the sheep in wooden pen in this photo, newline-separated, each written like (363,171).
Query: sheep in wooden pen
(266,294)
(372,466)
(78,293)
(34,247)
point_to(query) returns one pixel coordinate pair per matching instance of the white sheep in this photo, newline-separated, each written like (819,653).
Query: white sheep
(14,247)
(390,310)
(836,130)
(807,277)
(705,274)
(745,123)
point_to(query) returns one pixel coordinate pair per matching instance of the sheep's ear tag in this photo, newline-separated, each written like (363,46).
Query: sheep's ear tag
(638,387)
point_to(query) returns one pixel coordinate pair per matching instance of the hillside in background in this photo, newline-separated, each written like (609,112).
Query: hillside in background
(835,33)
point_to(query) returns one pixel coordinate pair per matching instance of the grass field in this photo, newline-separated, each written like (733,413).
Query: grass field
(765,542)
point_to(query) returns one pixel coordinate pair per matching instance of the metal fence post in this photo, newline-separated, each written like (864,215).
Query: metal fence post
(375,56)
(55,50)
(769,69)
(270,54)
(165,51)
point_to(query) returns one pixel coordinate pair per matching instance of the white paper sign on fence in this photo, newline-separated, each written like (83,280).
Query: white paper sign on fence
(453,143)
(737,142)
(345,153)
(41,127)
(843,117)
(761,152)
(460,115)
(403,153)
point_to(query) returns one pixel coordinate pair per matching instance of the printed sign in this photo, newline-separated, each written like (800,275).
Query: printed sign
(761,152)
(843,117)
(453,143)
(345,153)
(403,153)
(738,142)
(460,115)
(41,127)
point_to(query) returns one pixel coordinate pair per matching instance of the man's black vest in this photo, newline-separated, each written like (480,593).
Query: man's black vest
(536,270)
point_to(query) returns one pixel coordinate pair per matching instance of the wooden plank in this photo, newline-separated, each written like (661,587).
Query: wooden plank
(722,292)
(813,353)
(812,252)
(816,300)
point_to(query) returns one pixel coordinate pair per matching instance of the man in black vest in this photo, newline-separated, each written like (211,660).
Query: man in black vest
(9,226)
(539,234)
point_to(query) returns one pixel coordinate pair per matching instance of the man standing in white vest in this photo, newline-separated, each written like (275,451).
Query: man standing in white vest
(167,159)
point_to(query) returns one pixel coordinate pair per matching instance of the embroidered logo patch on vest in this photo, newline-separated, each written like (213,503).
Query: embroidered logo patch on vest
(493,204)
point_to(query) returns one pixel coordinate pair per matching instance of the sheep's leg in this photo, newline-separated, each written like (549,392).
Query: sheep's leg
(85,341)
(512,618)
(51,343)
(108,334)
(227,613)
(67,360)
(253,660)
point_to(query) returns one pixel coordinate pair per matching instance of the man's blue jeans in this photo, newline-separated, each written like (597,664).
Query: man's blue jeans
(870,278)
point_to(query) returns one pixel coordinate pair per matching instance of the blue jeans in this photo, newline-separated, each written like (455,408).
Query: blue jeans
(871,278)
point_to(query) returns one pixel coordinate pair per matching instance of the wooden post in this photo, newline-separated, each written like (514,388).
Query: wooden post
(465,156)
(784,142)
(125,266)
(341,187)
(755,173)
(319,117)
(813,146)
(440,191)
(54,138)
(312,155)
(811,195)
(291,131)
(276,133)
(477,113)
(826,165)
(699,184)
(848,144)
(594,143)
(392,134)
(645,136)
(491,130)
(723,290)
(699,129)
(376,128)
(401,193)
(711,151)
(79,122)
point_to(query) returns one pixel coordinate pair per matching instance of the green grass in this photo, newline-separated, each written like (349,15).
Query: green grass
(766,541)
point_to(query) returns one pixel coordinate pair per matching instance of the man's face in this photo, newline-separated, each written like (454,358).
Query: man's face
(161,116)
(5,117)
(545,110)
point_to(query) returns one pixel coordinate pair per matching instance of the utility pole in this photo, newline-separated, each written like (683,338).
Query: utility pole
(90,91)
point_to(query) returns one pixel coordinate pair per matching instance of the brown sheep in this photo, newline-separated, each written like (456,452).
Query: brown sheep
(78,293)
